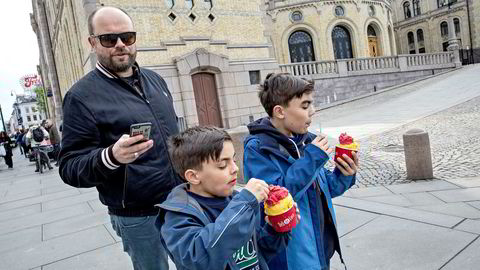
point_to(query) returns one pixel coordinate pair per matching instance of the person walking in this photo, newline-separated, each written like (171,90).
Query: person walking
(6,141)
(131,174)
(54,138)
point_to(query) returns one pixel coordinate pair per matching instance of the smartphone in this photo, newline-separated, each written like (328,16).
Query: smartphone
(141,128)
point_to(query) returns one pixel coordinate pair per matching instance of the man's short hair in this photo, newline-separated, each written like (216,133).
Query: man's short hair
(196,145)
(91,31)
(280,88)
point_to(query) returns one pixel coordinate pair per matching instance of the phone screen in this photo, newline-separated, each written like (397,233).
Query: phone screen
(142,128)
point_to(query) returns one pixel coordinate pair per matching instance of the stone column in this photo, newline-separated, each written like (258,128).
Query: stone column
(453,42)
(418,157)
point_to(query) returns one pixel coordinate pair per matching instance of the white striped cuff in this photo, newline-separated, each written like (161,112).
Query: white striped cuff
(107,161)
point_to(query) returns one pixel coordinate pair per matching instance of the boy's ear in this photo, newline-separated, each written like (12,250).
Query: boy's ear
(279,112)
(192,177)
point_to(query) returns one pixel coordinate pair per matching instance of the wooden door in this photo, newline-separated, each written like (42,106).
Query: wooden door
(372,46)
(206,99)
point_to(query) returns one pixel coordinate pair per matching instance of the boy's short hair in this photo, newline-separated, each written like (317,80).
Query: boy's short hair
(192,147)
(280,88)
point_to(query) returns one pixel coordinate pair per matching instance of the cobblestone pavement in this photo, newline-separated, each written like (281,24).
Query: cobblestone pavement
(454,139)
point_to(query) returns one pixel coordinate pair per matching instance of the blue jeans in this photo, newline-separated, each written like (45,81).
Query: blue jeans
(141,241)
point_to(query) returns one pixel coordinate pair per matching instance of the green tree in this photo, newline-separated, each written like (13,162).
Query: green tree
(40,99)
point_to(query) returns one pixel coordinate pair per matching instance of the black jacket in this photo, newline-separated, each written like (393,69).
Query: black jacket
(98,110)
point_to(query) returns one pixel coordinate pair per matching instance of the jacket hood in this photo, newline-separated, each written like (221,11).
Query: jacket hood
(264,127)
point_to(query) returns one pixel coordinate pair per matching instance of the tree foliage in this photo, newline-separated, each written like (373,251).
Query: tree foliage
(40,95)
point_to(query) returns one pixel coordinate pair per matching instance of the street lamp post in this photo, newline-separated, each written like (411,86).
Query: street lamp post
(452,36)
(3,122)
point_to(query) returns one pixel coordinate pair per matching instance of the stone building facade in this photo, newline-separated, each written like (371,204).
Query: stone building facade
(423,26)
(304,31)
(214,53)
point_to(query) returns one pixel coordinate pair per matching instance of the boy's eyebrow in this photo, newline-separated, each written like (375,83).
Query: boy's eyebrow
(227,158)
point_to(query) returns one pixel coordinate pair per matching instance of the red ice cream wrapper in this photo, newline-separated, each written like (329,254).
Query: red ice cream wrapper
(340,151)
(284,222)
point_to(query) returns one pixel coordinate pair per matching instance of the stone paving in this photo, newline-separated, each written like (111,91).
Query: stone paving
(454,133)
(454,139)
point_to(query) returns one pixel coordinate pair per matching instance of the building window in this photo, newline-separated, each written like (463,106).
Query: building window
(169,3)
(442,3)
(27,110)
(300,45)
(456,23)
(189,4)
(371,11)
(172,16)
(406,10)
(254,76)
(296,16)
(34,117)
(339,11)
(342,43)
(444,30)
(411,43)
(209,4)
(34,109)
(416,8)
(420,41)
(29,119)
(40,116)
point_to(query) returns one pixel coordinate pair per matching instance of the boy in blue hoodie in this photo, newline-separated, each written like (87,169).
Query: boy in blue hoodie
(205,223)
(280,150)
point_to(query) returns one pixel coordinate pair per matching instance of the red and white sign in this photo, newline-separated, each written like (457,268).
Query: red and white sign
(30,82)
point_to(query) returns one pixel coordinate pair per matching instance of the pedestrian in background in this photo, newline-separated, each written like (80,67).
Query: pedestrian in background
(18,140)
(6,141)
(130,174)
(54,138)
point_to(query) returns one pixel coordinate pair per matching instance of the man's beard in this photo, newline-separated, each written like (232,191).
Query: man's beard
(107,61)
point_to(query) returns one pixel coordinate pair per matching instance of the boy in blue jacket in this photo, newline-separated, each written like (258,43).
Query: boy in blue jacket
(280,150)
(205,223)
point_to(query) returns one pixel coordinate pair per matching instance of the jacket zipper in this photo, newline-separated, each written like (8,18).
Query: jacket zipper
(144,97)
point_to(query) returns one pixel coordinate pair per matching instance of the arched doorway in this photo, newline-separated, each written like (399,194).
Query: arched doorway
(372,42)
(206,99)
(342,43)
(300,46)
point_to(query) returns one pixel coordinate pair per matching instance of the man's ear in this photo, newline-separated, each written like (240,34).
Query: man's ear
(91,41)
(279,112)
(191,177)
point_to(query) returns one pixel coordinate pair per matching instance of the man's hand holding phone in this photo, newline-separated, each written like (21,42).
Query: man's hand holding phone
(128,148)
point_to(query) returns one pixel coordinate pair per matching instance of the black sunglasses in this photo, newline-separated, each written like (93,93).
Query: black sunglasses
(110,40)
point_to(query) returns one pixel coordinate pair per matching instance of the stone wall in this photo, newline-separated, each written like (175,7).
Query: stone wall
(329,90)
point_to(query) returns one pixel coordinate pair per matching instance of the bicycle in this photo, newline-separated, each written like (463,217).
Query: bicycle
(41,156)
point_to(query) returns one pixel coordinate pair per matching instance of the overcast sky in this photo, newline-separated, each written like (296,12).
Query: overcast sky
(19,50)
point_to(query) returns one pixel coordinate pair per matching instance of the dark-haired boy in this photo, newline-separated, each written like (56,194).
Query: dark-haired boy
(281,151)
(205,223)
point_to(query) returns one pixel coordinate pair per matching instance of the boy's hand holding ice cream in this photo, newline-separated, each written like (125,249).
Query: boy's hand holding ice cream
(346,159)
(282,212)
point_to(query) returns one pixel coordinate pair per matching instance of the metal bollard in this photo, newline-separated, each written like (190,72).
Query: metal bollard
(418,157)
(238,135)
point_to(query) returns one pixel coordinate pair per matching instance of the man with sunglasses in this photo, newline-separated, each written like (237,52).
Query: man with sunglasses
(130,174)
